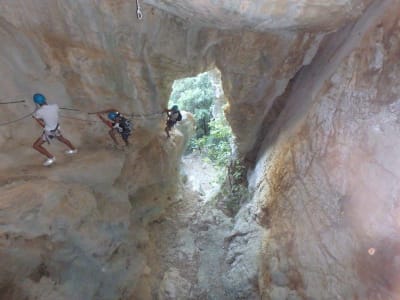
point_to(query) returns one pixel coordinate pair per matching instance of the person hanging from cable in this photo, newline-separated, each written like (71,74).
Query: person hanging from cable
(174,115)
(47,117)
(118,124)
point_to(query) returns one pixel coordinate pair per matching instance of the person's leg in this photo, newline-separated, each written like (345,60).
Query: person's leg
(37,145)
(66,142)
(125,137)
(112,134)
(167,130)
(169,126)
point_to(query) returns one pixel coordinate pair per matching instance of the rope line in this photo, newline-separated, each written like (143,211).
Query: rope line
(143,115)
(17,120)
(67,108)
(84,120)
(128,115)
(134,115)
(78,119)
(138,10)
(11,102)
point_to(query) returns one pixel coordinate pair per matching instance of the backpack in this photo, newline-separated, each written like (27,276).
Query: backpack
(176,116)
(125,125)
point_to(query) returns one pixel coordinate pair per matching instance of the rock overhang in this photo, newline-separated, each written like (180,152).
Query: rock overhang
(265,15)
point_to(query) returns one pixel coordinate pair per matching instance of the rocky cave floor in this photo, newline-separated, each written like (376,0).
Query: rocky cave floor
(187,246)
(192,241)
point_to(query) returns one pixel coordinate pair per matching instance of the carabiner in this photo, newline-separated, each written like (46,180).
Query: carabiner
(138,11)
(139,14)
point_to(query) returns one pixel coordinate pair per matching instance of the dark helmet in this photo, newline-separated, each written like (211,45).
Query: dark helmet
(174,108)
(39,99)
(113,115)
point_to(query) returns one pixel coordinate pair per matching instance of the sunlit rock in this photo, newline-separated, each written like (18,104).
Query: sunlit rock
(312,94)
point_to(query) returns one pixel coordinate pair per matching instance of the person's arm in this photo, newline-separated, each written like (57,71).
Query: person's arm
(38,118)
(167,111)
(105,121)
(39,121)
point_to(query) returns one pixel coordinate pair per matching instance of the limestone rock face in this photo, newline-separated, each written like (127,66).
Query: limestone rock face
(93,55)
(327,174)
(57,243)
(262,15)
(312,93)
(174,286)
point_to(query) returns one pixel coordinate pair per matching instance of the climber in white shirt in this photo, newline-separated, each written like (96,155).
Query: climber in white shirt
(47,117)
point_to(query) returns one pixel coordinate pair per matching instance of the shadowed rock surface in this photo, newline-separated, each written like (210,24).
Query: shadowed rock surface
(313,101)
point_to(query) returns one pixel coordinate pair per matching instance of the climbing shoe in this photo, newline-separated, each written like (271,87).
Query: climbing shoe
(49,161)
(71,152)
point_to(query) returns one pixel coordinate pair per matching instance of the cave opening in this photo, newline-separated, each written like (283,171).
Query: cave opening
(209,150)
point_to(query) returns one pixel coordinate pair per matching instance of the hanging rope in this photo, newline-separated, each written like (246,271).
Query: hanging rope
(138,10)
(78,119)
(17,120)
(131,116)
(11,102)
(144,115)
(66,108)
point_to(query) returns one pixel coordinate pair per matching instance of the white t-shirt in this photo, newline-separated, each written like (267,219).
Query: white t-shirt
(49,114)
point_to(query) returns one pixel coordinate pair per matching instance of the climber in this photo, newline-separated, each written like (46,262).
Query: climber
(47,117)
(174,115)
(118,124)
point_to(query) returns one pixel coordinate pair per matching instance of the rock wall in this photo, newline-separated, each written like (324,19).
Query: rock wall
(327,178)
(321,139)
(92,55)
(264,15)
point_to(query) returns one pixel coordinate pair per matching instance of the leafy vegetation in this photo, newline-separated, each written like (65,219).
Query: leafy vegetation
(196,95)
(217,145)
(234,191)
(213,138)
(213,133)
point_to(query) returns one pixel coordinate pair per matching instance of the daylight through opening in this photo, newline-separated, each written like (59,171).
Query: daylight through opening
(209,150)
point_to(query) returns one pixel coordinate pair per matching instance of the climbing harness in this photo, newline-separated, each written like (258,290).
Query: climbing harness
(11,102)
(49,135)
(138,10)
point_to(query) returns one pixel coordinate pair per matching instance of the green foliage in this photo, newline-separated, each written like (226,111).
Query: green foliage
(213,139)
(217,145)
(213,135)
(196,95)
(234,191)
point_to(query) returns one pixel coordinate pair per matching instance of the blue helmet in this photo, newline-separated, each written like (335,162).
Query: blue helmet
(113,115)
(39,99)
(174,108)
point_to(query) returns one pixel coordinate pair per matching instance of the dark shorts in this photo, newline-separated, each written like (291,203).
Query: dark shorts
(170,123)
(125,135)
(123,132)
